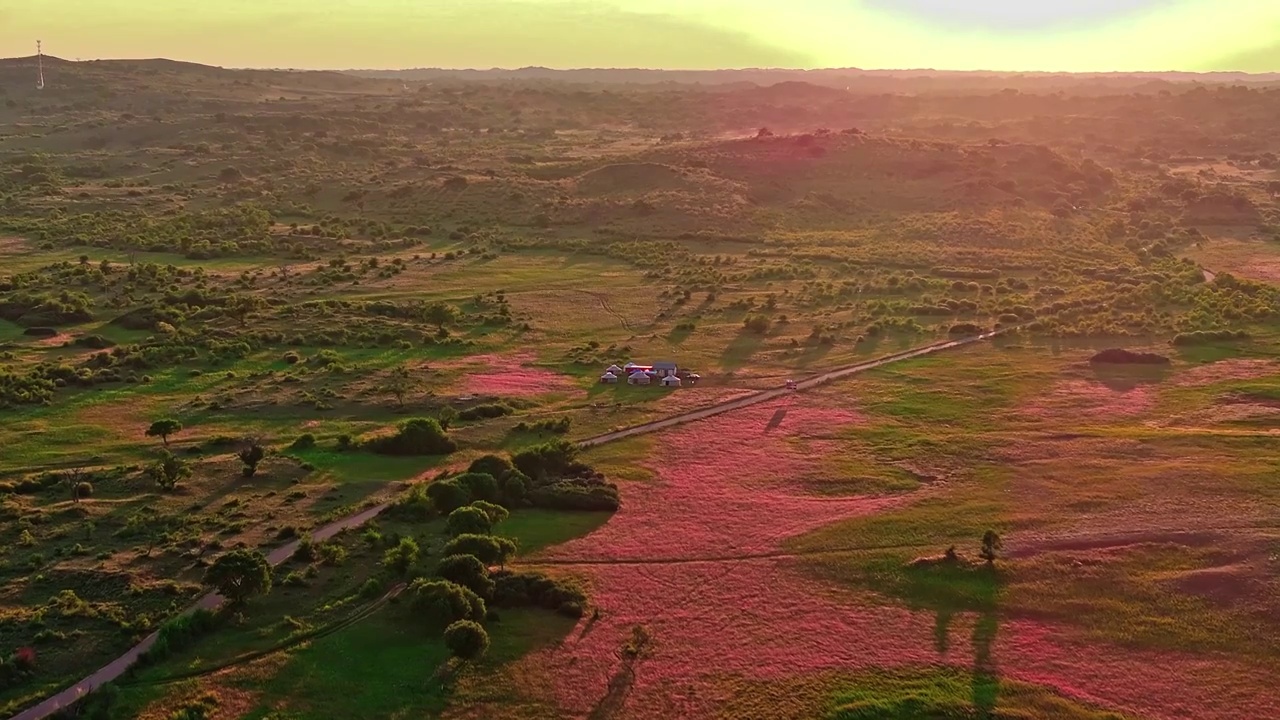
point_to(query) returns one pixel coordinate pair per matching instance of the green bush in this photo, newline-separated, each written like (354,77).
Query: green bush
(440,603)
(490,549)
(306,441)
(419,436)
(447,495)
(480,486)
(485,412)
(468,520)
(466,639)
(468,571)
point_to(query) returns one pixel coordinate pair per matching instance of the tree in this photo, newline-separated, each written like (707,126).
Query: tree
(163,429)
(251,455)
(168,471)
(399,383)
(496,512)
(447,495)
(74,478)
(439,314)
(418,436)
(239,307)
(468,571)
(490,549)
(239,575)
(469,520)
(401,557)
(466,639)
(990,544)
(440,603)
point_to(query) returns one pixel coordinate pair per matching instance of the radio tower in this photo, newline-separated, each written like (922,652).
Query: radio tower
(39,67)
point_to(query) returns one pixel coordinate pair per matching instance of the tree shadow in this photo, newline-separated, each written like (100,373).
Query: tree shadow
(739,352)
(1123,378)
(679,334)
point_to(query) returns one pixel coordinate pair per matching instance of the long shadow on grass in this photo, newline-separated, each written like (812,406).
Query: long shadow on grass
(949,587)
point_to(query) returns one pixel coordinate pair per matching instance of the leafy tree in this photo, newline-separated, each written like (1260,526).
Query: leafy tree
(496,512)
(419,436)
(401,557)
(466,639)
(480,486)
(469,520)
(440,314)
(440,603)
(239,575)
(168,471)
(491,549)
(468,571)
(240,306)
(447,495)
(163,429)
(990,544)
(399,383)
(251,455)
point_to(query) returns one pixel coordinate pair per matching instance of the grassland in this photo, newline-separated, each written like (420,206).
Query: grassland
(303,262)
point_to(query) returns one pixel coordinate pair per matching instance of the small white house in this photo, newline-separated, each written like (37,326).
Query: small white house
(671,381)
(638,378)
(608,378)
(617,371)
(665,369)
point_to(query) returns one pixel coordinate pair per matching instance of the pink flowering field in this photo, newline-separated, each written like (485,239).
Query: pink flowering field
(696,556)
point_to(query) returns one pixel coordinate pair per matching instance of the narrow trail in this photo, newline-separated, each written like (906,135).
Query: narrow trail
(1063,541)
(113,670)
(604,305)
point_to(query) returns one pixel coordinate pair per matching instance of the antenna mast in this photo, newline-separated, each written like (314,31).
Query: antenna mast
(39,67)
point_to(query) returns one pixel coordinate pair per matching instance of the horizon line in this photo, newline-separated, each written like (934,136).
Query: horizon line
(655,69)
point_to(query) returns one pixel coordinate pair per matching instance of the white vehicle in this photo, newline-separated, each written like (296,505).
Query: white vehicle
(791,384)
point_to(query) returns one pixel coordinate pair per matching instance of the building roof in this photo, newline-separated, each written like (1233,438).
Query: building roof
(609,375)
(664,365)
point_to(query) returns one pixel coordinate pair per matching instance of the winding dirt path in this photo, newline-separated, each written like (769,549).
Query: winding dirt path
(120,665)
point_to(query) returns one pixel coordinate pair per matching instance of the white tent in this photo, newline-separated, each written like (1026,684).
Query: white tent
(639,378)
(608,378)
(671,381)
(617,371)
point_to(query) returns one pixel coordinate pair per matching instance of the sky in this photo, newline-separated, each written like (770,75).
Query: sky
(1007,35)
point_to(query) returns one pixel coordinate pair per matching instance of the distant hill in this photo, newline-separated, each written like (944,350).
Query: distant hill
(835,77)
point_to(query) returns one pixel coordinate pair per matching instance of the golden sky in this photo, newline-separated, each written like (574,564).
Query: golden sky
(1074,35)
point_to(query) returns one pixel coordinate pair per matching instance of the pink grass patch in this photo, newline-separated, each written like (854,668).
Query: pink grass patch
(1088,398)
(695,557)
(515,383)
(1235,369)
(727,486)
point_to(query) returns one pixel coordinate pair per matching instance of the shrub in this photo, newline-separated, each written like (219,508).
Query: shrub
(966,329)
(518,589)
(305,551)
(168,471)
(468,571)
(440,603)
(292,358)
(400,558)
(496,513)
(332,554)
(180,633)
(569,495)
(447,495)
(515,489)
(490,549)
(419,436)
(306,441)
(83,490)
(1201,337)
(493,465)
(480,486)
(251,456)
(466,639)
(484,412)
(553,459)
(468,520)
(370,589)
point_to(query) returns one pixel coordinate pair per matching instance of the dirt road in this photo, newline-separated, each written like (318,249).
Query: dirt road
(117,667)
